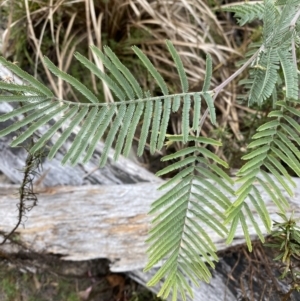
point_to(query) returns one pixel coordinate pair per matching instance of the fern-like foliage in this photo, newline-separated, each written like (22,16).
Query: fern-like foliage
(179,237)
(275,49)
(275,148)
(117,121)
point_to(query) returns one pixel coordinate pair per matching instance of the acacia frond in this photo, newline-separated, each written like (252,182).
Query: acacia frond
(264,76)
(196,198)
(116,122)
(275,50)
(272,149)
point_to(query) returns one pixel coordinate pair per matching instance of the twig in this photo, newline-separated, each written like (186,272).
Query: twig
(26,193)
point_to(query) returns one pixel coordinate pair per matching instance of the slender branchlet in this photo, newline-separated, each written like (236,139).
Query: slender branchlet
(27,196)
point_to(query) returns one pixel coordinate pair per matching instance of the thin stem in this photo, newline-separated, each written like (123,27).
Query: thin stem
(90,104)
(294,53)
(236,73)
(218,89)
(294,20)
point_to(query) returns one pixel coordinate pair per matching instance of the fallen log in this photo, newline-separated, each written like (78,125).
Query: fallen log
(89,222)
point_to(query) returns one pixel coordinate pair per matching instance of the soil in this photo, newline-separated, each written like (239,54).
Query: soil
(29,276)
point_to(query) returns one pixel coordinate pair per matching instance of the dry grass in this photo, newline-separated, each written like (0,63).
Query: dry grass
(58,28)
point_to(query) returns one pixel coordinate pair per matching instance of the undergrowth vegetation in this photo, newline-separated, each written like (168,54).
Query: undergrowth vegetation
(200,194)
